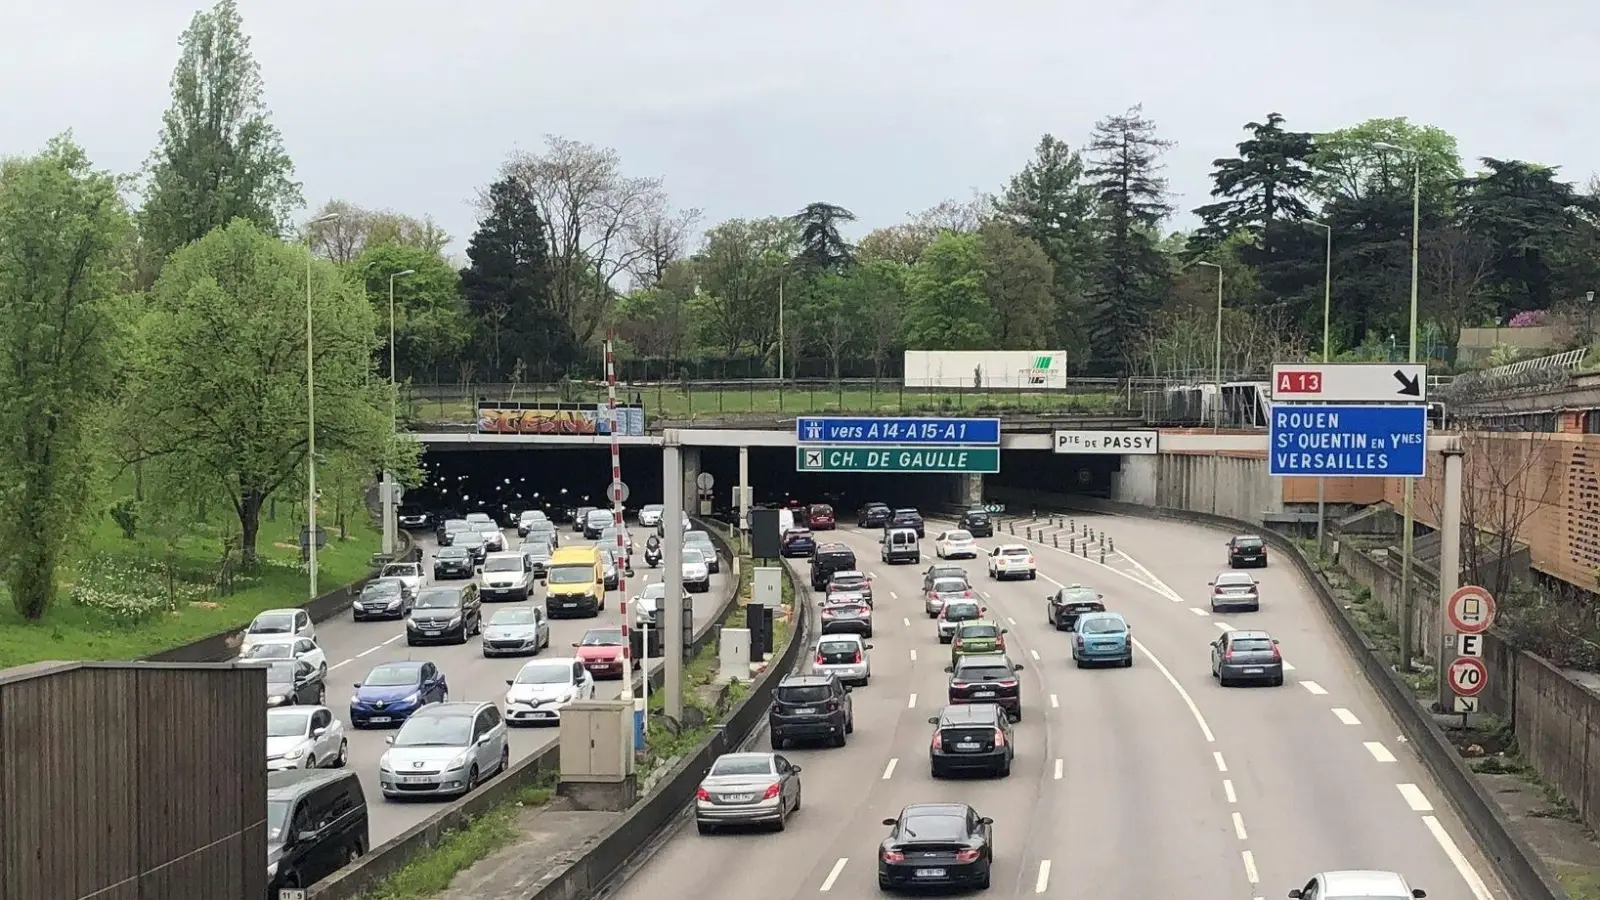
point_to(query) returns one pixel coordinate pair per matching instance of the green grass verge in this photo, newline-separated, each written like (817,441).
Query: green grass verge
(125,599)
(431,871)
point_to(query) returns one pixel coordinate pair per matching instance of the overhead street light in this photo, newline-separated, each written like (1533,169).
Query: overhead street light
(311,419)
(1327,348)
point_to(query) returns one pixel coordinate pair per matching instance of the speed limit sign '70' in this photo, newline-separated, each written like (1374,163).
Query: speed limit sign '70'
(1468,676)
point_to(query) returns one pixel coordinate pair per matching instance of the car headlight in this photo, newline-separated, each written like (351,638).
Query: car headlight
(567,697)
(412,697)
(396,601)
(275,698)
(510,699)
(459,762)
(454,621)
(296,753)
(383,764)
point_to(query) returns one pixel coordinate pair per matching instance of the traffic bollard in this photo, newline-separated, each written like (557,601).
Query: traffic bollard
(1085,549)
(1072,545)
(1012,526)
(1111,544)
(1102,554)
(1055,540)
(1030,532)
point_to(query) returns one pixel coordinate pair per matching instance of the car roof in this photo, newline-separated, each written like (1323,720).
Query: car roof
(298,709)
(276,638)
(968,713)
(1235,576)
(1104,614)
(971,623)
(907,509)
(402,664)
(917,810)
(984,659)
(1007,548)
(833,548)
(765,756)
(1363,883)
(1256,635)
(805,681)
(849,573)
(458,708)
(850,638)
(282,611)
(550,661)
(505,554)
(1254,537)
(291,783)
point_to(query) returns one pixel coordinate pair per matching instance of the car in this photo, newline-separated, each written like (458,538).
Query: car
(900,545)
(516,631)
(600,651)
(381,598)
(808,708)
(796,543)
(936,845)
(696,574)
(473,543)
(596,521)
(538,554)
(907,518)
(543,531)
(953,613)
(446,533)
(819,516)
(580,518)
(747,789)
(829,559)
(987,679)
(977,522)
(445,614)
(1246,550)
(273,624)
(847,657)
(543,688)
(1012,561)
(409,573)
(1357,884)
(1235,590)
(683,524)
(608,539)
(701,540)
(849,616)
(445,749)
(1063,607)
(874,515)
(977,637)
(935,572)
(481,522)
(305,737)
(528,518)
(955,544)
(650,515)
(393,691)
(414,518)
(850,581)
(610,572)
(971,736)
(317,823)
(453,563)
(507,576)
(1246,656)
(944,591)
(289,647)
(494,540)
(295,683)
(1102,637)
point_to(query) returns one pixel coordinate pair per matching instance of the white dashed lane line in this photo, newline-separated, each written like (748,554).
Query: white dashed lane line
(1238,827)
(340,663)
(1223,626)
(398,637)
(1346,716)
(906,620)
(1250,866)
(1379,752)
(369,650)
(1198,611)
(888,771)
(893,596)
(1227,790)
(1010,621)
(1060,768)
(833,874)
(1222,765)
(913,655)
(1314,688)
(1414,798)
(1042,883)
(912,703)
(1034,654)
(1055,702)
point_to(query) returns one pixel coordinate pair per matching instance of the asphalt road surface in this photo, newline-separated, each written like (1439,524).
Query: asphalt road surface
(354,648)
(1144,782)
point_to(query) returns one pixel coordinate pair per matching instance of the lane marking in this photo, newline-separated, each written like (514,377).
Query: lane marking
(912,703)
(1034,653)
(1060,767)
(833,875)
(1187,700)
(913,655)
(1379,752)
(987,595)
(1198,611)
(370,650)
(1221,765)
(1043,881)
(1314,688)
(1224,626)
(1238,827)
(339,663)
(1480,891)
(906,621)
(398,637)
(1227,788)
(1055,702)
(1173,599)
(1346,716)
(888,771)
(1415,798)
(893,596)
(1288,667)
(1010,621)
(1250,866)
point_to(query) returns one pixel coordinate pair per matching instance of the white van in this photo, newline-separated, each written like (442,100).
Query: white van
(785,521)
(900,545)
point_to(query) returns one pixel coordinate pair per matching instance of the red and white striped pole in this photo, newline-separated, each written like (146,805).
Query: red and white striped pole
(618,519)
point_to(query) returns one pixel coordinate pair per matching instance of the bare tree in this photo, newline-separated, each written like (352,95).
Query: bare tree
(963,216)
(1456,268)
(357,228)
(1507,477)
(662,237)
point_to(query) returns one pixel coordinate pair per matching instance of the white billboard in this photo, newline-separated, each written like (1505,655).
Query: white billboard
(979,370)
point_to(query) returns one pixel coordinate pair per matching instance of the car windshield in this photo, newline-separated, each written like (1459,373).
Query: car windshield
(950,586)
(656,590)
(984,672)
(288,724)
(514,617)
(571,574)
(535,549)
(693,557)
(1252,645)
(277,818)
(977,518)
(741,765)
(652,508)
(445,599)
(469,539)
(826,647)
(280,674)
(1015,551)
(799,534)
(934,828)
(392,676)
(822,509)
(1101,625)
(452,553)
(381,587)
(456,525)
(1234,581)
(435,731)
(504,564)
(1247,542)
(275,650)
(277,623)
(906,512)
(979,631)
(955,611)
(948,572)
(958,536)
(603,637)
(1079,596)
(804,694)
(545,673)
(400,570)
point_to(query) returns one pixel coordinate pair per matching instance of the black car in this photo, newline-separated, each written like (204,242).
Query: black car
(474,544)
(316,823)
(828,558)
(810,707)
(294,683)
(382,598)
(971,736)
(977,523)
(874,515)
(580,517)
(906,518)
(414,518)
(453,562)
(987,678)
(937,845)
(445,615)
(1063,607)
(1247,550)
(447,530)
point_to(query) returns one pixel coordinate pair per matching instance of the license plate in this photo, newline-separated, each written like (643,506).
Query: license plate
(415,779)
(380,720)
(430,634)
(738,798)
(966,745)
(567,605)
(930,873)
(810,710)
(291,894)
(1255,671)
(983,694)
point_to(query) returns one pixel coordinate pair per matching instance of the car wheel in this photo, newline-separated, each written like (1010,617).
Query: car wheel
(983,883)
(779,743)
(1277,681)
(1005,769)
(472,778)
(1223,681)
(796,800)
(311,762)
(322,695)
(935,772)
(850,725)
(783,819)
(1128,663)
(344,754)
(1080,663)
(505,758)
(1032,575)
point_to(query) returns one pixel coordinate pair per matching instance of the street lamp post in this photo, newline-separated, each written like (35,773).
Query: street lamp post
(311,420)
(1327,349)
(1216,415)
(389,522)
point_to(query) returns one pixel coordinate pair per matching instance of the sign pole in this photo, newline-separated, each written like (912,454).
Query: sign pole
(1449,568)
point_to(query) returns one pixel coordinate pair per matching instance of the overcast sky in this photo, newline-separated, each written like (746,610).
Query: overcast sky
(750,109)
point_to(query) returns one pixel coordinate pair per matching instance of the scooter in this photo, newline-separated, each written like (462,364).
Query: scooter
(652,556)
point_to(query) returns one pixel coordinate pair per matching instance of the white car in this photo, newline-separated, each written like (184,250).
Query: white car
(650,515)
(289,647)
(696,573)
(1012,561)
(1357,884)
(305,737)
(494,540)
(409,573)
(276,624)
(543,688)
(955,544)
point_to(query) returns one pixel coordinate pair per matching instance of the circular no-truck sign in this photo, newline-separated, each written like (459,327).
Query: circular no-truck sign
(1471,609)
(706,481)
(618,488)
(1468,676)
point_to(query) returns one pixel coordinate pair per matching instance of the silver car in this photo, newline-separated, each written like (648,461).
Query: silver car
(445,749)
(305,737)
(701,540)
(956,611)
(650,515)
(608,538)
(494,540)
(518,631)
(747,789)
(1235,590)
(847,657)
(507,576)
(944,591)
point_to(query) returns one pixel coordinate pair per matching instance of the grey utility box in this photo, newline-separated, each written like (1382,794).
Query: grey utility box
(597,741)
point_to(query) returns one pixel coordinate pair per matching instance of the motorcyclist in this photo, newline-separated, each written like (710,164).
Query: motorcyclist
(652,551)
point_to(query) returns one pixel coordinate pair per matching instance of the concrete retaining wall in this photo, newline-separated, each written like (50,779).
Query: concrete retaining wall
(1234,486)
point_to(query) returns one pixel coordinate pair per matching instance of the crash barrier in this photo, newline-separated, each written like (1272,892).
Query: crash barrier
(390,856)
(1518,866)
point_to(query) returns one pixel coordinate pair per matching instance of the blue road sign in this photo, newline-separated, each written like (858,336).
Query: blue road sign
(1349,441)
(897,430)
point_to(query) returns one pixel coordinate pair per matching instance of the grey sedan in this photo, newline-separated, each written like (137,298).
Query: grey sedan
(1246,656)
(1235,590)
(516,631)
(747,789)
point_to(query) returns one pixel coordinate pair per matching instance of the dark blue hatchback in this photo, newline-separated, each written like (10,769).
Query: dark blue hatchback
(393,691)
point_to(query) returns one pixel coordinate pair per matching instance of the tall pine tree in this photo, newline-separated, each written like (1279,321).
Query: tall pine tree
(822,248)
(1048,203)
(507,287)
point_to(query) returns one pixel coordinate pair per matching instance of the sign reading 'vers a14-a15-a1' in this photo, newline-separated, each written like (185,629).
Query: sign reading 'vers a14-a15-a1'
(1349,383)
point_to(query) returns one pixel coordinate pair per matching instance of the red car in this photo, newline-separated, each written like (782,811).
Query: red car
(600,651)
(820,517)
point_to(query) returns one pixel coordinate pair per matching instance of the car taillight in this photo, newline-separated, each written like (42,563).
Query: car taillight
(958,684)
(772,791)
(968,593)
(820,660)
(1030,560)
(1078,639)
(893,856)
(966,856)
(1228,655)
(999,738)
(1009,683)
(858,656)
(1275,653)
(937,740)
(701,793)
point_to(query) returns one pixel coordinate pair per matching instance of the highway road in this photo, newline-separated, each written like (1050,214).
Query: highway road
(353,648)
(1144,782)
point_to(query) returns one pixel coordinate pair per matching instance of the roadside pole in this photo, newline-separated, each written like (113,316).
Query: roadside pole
(1465,612)
(744,501)
(672,561)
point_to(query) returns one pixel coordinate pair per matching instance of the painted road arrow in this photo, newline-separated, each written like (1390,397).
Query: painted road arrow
(1409,386)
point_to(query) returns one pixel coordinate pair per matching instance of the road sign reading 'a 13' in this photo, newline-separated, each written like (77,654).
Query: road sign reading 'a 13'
(1468,676)
(1350,382)
(1471,609)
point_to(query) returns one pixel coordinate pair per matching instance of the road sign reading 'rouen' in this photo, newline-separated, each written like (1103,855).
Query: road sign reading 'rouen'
(897,430)
(1349,441)
(1350,382)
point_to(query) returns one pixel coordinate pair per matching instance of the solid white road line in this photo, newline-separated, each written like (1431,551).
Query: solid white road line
(913,655)
(912,703)
(1250,866)
(1414,798)
(1480,891)
(398,637)
(1379,752)
(1313,687)
(1198,611)
(906,621)
(1346,716)
(1010,621)
(1043,881)
(833,875)
(369,650)
(1055,702)
(1060,768)
(1034,654)
(888,771)
(1227,788)
(1223,626)
(1187,700)
(339,663)
(1221,765)
(1238,827)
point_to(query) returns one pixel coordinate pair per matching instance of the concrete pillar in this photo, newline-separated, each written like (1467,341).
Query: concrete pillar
(972,489)
(691,473)
(390,522)
(1449,569)
(744,499)
(673,476)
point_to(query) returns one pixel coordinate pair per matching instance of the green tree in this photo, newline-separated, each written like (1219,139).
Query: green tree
(1049,203)
(655,321)
(1017,277)
(946,308)
(62,235)
(219,392)
(220,158)
(431,327)
(742,266)
(1261,189)
(897,243)
(1527,215)
(879,289)
(822,247)
(508,287)
(1360,163)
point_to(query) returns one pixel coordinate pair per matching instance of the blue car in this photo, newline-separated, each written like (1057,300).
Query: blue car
(393,691)
(1102,637)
